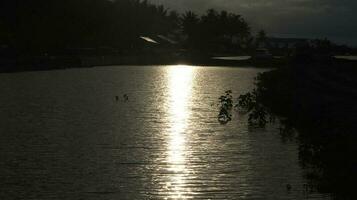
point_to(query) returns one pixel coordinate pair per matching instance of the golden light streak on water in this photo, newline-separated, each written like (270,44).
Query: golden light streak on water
(180,88)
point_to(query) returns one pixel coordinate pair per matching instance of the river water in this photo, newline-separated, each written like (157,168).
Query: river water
(64,135)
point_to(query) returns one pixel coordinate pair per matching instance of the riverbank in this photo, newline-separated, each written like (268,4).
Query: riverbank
(37,63)
(319,100)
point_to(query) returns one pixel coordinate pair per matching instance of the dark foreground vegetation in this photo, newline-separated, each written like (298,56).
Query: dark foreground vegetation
(317,96)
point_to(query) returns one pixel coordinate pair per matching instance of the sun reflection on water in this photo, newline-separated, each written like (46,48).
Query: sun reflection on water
(180,86)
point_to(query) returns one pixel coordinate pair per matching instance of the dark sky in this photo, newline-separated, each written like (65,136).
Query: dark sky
(334,19)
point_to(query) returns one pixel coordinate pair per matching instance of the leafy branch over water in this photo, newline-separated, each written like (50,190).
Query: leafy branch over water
(258,114)
(248,103)
(226,105)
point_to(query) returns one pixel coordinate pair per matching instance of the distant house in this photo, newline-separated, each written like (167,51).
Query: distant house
(148,39)
(157,44)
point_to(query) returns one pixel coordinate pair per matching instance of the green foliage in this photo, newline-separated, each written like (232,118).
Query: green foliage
(258,114)
(259,103)
(42,25)
(190,27)
(59,24)
(214,28)
(226,105)
(246,102)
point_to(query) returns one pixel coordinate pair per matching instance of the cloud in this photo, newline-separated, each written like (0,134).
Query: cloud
(305,18)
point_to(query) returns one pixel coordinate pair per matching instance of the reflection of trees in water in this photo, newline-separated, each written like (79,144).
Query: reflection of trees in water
(329,159)
(325,120)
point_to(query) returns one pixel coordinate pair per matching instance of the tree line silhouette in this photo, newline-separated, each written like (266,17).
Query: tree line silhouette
(215,30)
(42,25)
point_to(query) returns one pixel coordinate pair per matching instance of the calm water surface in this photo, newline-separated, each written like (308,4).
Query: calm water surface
(64,136)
